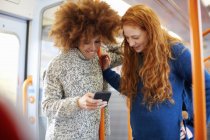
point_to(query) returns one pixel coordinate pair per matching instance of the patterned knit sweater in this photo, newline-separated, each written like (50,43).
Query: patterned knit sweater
(68,77)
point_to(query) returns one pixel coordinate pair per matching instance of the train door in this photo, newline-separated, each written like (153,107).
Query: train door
(12,57)
(40,52)
(47,53)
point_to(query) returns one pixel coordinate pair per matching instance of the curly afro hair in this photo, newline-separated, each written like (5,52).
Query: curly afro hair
(86,18)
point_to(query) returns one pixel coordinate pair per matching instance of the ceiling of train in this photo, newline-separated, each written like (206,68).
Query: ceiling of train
(174,15)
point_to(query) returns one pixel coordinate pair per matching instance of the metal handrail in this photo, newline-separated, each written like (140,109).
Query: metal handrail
(207,58)
(129,125)
(207,63)
(206,32)
(26,83)
(102,125)
(102,119)
(199,101)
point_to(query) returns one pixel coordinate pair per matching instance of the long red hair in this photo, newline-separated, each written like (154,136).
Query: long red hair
(154,72)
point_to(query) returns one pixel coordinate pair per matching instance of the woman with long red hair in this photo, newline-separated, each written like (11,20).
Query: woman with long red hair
(155,66)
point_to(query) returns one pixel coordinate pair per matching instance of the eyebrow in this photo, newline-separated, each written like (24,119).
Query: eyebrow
(98,38)
(133,35)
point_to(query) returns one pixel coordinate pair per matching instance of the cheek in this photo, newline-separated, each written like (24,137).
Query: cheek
(141,41)
(84,48)
(144,40)
(97,48)
(81,47)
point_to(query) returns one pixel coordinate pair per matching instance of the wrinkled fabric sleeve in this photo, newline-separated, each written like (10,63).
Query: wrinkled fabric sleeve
(115,53)
(116,59)
(184,68)
(107,121)
(112,78)
(207,85)
(53,104)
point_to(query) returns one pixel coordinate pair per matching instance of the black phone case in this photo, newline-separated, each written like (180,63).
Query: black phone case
(104,95)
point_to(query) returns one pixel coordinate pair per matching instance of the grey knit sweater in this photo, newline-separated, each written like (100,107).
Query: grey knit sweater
(68,77)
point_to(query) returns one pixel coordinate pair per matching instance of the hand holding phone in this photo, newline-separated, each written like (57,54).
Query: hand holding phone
(87,102)
(103,95)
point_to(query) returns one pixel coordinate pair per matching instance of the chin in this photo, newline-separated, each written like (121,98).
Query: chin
(138,51)
(90,57)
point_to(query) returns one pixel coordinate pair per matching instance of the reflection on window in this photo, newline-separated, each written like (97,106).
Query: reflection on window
(48,51)
(9,56)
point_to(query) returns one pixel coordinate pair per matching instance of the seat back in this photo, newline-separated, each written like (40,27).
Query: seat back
(12,124)
(8,127)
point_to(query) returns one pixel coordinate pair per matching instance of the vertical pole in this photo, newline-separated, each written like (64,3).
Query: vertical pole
(129,125)
(102,118)
(102,125)
(199,99)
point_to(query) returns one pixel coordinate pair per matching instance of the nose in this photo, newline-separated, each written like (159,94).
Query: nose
(94,46)
(131,43)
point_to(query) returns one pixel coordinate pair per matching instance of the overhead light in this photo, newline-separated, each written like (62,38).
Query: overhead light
(206,2)
(118,5)
(171,33)
(174,35)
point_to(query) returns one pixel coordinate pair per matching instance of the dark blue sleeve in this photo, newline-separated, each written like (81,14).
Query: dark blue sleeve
(184,68)
(183,64)
(207,84)
(112,78)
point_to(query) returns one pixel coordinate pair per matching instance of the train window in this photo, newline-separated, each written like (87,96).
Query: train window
(48,51)
(9,56)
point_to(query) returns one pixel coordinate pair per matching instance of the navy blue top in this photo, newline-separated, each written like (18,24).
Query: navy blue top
(163,121)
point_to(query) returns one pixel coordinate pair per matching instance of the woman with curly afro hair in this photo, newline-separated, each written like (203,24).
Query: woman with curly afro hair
(73,77)
(155,67)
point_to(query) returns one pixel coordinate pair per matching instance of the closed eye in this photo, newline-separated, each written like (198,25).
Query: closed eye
(136,37)
(133,37)
(98,41)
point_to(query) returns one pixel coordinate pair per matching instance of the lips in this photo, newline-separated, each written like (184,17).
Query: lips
(138,48)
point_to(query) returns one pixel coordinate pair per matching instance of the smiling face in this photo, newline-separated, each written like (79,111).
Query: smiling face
(136,37)
(90,48)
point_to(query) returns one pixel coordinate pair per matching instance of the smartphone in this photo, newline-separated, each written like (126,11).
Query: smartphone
(104,95)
